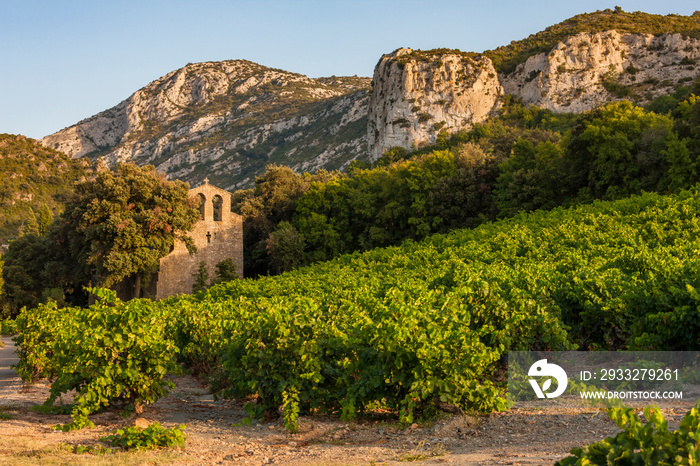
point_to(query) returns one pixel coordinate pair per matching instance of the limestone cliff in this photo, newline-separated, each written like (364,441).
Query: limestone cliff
(589,69)
(227,120)
(417,94)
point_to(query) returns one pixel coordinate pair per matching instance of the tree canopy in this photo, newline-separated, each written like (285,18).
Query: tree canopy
(115,226)
(526,159)
(23,272)
(122,222)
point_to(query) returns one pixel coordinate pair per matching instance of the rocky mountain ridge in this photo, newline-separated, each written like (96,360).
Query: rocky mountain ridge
(417,94)
(590,69)
(227,120)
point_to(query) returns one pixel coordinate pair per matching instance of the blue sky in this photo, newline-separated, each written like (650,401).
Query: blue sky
(65,60)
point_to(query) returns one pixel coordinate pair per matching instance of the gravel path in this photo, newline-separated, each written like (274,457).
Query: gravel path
(525,435)
(7,357)
(10,383)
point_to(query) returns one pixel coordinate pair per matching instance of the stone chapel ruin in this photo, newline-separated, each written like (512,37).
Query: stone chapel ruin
(218,235)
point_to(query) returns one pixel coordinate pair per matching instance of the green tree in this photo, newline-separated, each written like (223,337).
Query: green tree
(271,201)
(615,151)
(391,155)
(530,179)
(465,200)
(225,271)
(682,170)
(23,272)
(31,226)
(122,223)
(286,248)
(45,219)
(41,268)
(323,241)
(687,120)
(201,278)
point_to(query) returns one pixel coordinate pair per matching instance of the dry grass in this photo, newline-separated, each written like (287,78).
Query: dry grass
(27,450)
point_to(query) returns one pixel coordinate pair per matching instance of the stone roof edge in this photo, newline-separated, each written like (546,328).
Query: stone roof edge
(208,186)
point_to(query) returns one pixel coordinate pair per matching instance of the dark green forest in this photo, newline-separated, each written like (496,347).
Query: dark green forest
(116,224)
(524,160)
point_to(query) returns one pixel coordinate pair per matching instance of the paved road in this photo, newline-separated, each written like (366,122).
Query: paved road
(7,357)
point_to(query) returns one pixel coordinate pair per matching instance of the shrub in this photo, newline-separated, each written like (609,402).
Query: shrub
(152,437)
(611,84)
(638,443)
(225,271)
(111,352)
(424,117)
(8,327)
(201,277)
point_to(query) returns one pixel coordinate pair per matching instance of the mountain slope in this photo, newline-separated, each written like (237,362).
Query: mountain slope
(227,120)
(33,176)
(416,94)
(590,69)
(506,58)
(571,67)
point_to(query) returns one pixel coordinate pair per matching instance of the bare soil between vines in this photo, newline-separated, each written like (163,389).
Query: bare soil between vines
(524,435)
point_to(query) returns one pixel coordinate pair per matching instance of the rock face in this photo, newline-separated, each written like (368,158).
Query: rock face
(590,69)
(227,120)
(417,94)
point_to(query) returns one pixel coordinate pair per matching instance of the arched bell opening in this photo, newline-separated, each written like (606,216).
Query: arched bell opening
(202,200)
(218,204)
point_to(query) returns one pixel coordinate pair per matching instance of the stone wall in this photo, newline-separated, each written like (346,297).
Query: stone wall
(218,236)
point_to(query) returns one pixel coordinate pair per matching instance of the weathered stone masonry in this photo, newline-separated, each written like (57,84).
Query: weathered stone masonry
(218,236)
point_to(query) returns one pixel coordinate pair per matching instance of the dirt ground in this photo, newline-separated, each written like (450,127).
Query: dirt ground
(524,435)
